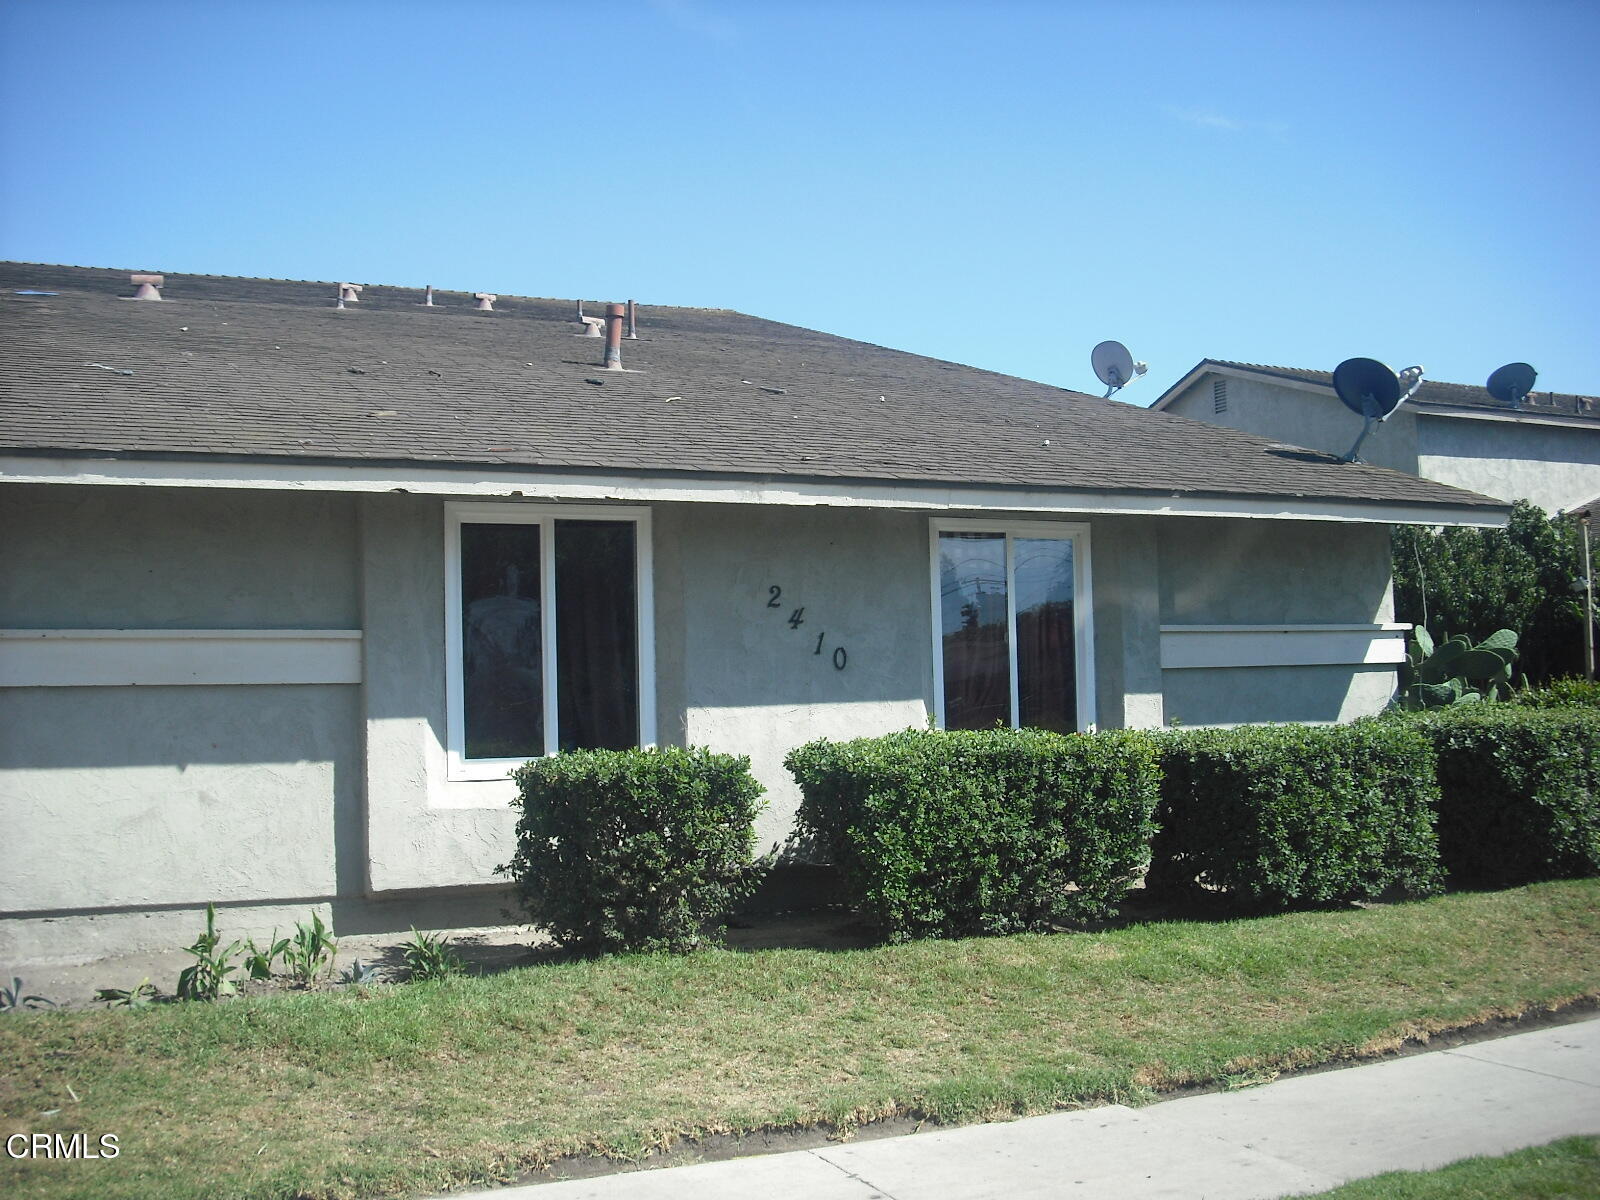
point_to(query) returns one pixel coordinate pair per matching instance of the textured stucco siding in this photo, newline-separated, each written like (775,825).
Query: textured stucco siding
(132,796)
(176,558)
(1301,418)
(1556,467)
(735,676)
(1231,573)
(423,831)
(146,800)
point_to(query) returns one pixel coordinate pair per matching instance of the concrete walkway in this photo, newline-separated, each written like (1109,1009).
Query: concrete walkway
(1298,1135)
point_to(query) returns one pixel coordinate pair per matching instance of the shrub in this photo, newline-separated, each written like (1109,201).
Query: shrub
(1561,693)
(944,834)
(634,849)
(1474,581)
(1289,815)
(1519,793)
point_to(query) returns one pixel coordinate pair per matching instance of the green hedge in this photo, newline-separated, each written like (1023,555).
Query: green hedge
(1561,693)
(634,849)
(1288,815)
(1519,792)
(945,834)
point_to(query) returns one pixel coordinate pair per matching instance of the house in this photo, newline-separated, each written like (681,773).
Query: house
(295,572)
(1545,449)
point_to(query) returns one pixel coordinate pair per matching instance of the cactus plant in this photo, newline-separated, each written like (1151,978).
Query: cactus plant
(1455,671)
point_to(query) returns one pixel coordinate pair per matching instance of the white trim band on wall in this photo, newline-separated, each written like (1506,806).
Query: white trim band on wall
(1184,646)
(155,657)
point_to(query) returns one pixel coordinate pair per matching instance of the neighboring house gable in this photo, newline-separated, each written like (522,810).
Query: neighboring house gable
(1546,450)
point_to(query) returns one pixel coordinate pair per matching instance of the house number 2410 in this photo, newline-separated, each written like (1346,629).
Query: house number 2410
(798,618)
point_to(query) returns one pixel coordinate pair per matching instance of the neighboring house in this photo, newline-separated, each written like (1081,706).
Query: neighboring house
(1546,449)
(288,588)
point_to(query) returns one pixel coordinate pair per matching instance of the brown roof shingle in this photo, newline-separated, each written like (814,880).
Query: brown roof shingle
(269,368)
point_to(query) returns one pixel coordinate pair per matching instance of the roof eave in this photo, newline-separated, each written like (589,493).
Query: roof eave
(510,480)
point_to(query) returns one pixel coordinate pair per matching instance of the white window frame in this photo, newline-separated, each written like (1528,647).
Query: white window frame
(1082,605)
(459,768)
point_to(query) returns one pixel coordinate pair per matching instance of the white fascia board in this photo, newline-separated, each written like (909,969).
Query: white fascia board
(1519,417)
(534,485)
(166,657)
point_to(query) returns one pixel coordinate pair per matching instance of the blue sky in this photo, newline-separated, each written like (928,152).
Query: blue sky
(1000,184)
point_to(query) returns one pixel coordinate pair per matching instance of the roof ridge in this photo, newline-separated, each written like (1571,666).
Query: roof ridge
(399,287)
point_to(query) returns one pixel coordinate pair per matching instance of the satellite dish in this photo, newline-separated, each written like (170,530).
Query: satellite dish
(1512,382)
(1367,387)
(1372,391)
(1114,366)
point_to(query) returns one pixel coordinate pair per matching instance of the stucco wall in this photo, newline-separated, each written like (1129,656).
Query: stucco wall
(176,558)
(1556,467)
(1125,559)
(126,809)
(735,676)
(1301,418)
(1233,573)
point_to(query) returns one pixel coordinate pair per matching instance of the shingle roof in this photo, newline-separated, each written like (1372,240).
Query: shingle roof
(269,368)
(1454,395)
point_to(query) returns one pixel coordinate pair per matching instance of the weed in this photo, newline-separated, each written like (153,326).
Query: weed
(139,995)
(207,978)
(258,961)
(430,956)
(311,951)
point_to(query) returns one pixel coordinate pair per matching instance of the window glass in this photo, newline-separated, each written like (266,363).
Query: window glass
(973,617)
(1047,684)
(501,639)
(597,677)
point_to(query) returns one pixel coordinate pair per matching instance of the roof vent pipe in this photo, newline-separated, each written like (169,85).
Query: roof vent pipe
(633,329)
(349,293)
(613,359)
(588,326)
(149,286)
(427,297)
(485,300)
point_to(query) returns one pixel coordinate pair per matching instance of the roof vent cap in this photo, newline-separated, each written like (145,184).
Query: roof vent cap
(485,300)
(589,326)
(149,286)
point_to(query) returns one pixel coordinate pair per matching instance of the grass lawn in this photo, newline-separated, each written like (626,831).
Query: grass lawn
(1564,1170)
(411,1088)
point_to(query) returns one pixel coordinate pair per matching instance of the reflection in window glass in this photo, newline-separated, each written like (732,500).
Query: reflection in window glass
(501,638)
(973,616)
(597,678)
(1047,686)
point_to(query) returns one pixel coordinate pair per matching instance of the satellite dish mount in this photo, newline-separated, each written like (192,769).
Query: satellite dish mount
(1115,366)
(1372,391)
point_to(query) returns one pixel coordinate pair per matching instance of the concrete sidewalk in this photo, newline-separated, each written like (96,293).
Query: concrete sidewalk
(1298,1135)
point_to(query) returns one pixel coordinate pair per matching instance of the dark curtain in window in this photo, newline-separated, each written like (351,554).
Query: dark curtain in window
(502,666)
(973,617)
(597,677)
(1047,684)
